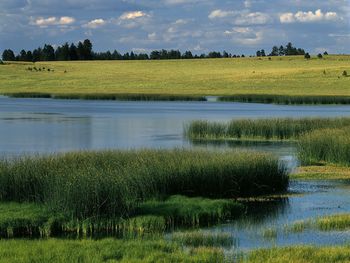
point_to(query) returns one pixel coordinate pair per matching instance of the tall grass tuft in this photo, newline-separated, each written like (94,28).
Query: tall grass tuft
(286,99)
(114,183)
(325,146)
(265,129)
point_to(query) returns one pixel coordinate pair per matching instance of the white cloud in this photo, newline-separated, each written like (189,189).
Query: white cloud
(245,36)
(95,23)
(218,13)
(241,18)
(50,21)
(256,18)
(307,17)
(132,15)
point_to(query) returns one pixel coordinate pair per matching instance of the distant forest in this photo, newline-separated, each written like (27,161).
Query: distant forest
(83,51)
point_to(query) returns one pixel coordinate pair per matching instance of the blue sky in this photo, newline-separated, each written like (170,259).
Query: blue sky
(241,26)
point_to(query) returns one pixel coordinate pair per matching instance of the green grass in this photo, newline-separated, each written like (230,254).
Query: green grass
(113,183)
(182,211)
(321,172)
(150,218)
(222,77)
(331,146)
(203,239)
(336,222)
(300,254)
(286,99)
(263,129)
(106,250)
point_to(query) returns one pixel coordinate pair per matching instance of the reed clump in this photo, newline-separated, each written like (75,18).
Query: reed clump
(325,146)
(114,183)
(286,99)
(263,129)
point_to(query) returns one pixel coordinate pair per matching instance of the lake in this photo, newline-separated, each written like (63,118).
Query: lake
(30,126)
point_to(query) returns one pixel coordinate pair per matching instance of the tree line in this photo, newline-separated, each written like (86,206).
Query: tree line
(83,51)
(288,50)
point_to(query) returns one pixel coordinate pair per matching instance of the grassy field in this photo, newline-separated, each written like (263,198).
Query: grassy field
(278,76)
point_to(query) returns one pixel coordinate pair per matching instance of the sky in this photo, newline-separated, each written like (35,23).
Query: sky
(239,27)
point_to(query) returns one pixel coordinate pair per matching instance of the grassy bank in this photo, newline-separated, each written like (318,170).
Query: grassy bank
(107,250)
(157,250)
(300,254)
(114,183)
(264,129)
(101,96)
(325,146)
(286,99)
(323,172)
(222,77)
(152,218)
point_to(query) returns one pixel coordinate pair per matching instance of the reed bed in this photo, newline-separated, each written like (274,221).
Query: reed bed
(114,183)
(325,146)
(104,96)
(260,129)
(203,239)
(286,99)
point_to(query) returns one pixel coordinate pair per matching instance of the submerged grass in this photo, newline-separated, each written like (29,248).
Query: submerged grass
(336,222)
(331,146)
(203,239)
(114,183)
(103,96)
(286,99)
(265,129)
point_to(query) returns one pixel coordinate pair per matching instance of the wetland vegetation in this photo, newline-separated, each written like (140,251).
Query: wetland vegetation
(260,129)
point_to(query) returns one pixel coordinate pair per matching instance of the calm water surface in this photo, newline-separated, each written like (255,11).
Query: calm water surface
(47,126)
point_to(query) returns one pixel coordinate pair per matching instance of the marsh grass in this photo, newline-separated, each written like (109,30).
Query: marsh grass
(270,233)
(325,146)
(285,99)
(322,172)
(114,183)
(192,212)
(299,254)
(339,222)
(203,239)
(103,96)
(105,250)
(263,129)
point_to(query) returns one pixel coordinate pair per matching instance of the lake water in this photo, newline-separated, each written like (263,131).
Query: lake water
(46,126)
(310,199)
(42,126)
